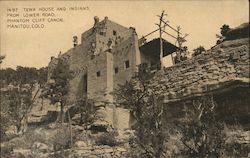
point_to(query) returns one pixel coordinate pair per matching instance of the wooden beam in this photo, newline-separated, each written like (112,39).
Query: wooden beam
(169,34)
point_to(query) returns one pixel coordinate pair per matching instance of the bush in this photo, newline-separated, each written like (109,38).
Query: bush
(31,137)
(19,142)
(202,134)
(237,149)
(61,139)
(147,108)
(107,139)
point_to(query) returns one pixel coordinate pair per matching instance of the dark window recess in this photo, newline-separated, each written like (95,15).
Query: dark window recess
(114,33)
(116,70)
(103,33)
(126,64)
(98,73)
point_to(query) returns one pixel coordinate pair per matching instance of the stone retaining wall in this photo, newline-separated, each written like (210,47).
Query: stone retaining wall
(206,72)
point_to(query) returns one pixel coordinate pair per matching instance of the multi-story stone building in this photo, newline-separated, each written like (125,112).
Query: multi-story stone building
(107,56)
(110,53)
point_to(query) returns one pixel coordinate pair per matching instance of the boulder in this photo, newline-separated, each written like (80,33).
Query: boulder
(120,149)
(22,152)
(80,144)
(11,130)
(41,147)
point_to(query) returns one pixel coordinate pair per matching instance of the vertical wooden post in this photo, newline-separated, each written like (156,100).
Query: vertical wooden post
(161,46)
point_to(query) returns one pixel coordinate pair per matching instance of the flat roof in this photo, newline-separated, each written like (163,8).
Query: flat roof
(154,47)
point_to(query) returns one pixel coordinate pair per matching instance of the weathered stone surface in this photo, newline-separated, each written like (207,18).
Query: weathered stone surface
(104,48)
(80,144)
(41,147)
(99,152)
(24,152)
(216,68)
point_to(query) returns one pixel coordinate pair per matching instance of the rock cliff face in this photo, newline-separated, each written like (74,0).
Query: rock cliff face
(219,67)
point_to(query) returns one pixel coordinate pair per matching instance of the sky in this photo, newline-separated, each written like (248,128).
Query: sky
(34,47)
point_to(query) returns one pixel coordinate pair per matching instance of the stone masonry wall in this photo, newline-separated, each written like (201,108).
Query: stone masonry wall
(82,62)
(126,51)
(205,72)
(79,61)
(97,86)
(93,59)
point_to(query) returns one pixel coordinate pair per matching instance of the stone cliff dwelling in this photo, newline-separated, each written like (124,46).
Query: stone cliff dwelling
(109,54)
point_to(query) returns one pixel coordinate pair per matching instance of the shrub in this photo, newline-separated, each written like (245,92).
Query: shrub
(107,139)
(147,107)
(31,137)
(61,139)
(202,134)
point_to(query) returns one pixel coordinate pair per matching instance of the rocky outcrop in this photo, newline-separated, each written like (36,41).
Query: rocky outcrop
(241,31)
(98,152)
(224,66)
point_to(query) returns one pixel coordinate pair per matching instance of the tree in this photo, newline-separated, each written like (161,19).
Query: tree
(58,88)
(23,75)
(87,111)
(202,135)
(1,58)
(42,80)
(19,101)
(7,76)
(19,96)
(198,50)
(223,31)
(26,75)
(6,120)
(42,76)
(19,105)
(146,106)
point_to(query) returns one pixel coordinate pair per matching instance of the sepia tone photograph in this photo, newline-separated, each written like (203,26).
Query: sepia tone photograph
(124,79)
